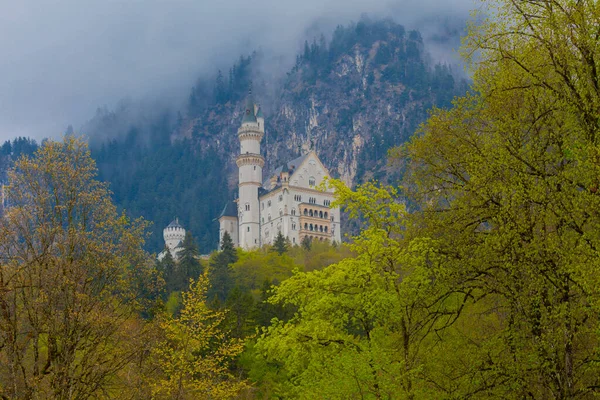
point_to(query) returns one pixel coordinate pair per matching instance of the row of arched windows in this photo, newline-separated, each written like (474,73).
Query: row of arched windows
(315,228)
(316,213)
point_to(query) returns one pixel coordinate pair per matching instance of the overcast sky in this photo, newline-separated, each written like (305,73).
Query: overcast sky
(61,59)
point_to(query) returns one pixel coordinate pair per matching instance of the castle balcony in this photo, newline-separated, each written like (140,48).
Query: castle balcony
(250,131)
(250,159)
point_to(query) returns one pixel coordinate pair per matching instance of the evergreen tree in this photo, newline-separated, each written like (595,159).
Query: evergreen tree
(220,274)
(174,281)
(306,243)
(280,245)
(240,306)
(189,265)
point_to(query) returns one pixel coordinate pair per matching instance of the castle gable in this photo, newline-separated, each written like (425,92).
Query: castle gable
(305,171)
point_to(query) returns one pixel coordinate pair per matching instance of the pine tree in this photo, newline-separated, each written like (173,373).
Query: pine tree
(306,243)
(173,279)
(240,306)
(280,244)
(188,259)
(220,275)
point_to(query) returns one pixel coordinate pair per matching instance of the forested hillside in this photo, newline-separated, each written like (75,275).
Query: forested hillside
(350,98)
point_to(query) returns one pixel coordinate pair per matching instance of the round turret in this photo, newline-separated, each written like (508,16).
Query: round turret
(173,234)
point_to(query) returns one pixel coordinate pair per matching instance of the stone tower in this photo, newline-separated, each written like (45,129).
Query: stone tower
(250,164)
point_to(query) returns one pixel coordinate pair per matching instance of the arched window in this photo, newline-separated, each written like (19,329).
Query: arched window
(269,203)
(293,211)
(310,227)
(247,206)
(311,181)
(320,214)
(305,226)
(305,211)
(310,213)
(325,229)
(321,228)
(325,215)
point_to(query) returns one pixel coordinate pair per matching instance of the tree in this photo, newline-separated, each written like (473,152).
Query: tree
(280,244)
(70,267)
(306,243)
(193,357)
(240,312)
(220,274)
(507,181)
(174,280)
(188,258)
(361,325)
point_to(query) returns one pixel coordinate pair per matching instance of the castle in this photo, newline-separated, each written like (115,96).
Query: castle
(288,201)
(173,234)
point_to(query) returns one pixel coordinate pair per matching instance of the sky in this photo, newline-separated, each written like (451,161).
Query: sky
(62,59)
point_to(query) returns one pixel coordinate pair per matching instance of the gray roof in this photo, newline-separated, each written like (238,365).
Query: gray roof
(175,224)
(249,110)
(230,210)
(294,164)
(259,113)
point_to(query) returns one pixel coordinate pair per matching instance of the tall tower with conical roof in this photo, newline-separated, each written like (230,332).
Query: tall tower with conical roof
(250,164)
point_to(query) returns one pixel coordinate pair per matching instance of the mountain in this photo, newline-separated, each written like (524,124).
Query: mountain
(351,98)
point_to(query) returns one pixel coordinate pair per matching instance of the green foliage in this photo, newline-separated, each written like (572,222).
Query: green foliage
(219,272)
(280,245)
(360,324)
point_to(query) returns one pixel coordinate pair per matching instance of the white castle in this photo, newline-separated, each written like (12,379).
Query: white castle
(288,201)
(173,234)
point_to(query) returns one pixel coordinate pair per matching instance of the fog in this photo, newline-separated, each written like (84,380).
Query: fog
(62,59)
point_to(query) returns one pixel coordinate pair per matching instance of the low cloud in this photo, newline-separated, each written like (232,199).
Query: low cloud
(61,60)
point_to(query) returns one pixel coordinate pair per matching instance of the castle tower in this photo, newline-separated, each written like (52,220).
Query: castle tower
(250,164)
(173,234)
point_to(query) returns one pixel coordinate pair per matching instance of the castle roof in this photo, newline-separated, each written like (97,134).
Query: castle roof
(259,113)
(291,166)
(230,210)
(249,115)
(175,224)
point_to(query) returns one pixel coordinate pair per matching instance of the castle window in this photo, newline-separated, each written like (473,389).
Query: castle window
(263,205)
(310,227)
(293,227)
(293,211)
(325,215)
(269,203)
(310,213)
(325,229)
(305,226)
(247,207)
(327,202)
(305,211)
(332,218)
(320,214)
(321,228)
(248,229)
(311,181)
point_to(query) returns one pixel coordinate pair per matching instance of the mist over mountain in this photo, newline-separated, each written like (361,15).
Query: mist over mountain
(64,59)
(350,97)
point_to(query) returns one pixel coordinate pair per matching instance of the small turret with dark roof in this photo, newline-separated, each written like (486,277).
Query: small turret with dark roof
(249,115)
